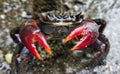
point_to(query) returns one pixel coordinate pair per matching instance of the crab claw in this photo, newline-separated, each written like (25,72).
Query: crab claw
(86,32)
(30,34)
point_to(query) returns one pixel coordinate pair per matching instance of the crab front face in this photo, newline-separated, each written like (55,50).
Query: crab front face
(61,28)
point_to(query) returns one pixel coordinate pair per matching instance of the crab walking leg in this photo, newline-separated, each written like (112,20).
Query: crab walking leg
(29,35)
(87,30)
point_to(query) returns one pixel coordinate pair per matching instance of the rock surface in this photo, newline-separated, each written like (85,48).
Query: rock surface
(10,15)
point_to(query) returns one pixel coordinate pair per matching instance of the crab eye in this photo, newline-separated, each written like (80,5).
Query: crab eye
(47,29)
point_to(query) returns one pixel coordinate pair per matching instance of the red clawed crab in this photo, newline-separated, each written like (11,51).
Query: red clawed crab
(81,32)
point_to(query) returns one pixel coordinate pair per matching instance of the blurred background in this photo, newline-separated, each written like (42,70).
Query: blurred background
(15,12)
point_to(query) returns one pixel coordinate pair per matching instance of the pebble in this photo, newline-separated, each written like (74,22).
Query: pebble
(24,0)
(2,16)
(8,57)
(24,14)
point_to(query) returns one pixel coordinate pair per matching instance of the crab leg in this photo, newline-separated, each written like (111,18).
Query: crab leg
(29,35)
(87,32)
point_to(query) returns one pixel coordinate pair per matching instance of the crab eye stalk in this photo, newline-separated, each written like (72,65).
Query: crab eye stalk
(86,32)
(29,35)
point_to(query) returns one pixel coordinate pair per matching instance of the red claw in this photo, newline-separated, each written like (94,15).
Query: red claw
(87,32)
(30,34)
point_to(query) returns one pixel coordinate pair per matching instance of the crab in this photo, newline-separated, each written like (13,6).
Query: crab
(82,33)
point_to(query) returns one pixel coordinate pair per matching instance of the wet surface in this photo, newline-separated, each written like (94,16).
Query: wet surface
(108,10)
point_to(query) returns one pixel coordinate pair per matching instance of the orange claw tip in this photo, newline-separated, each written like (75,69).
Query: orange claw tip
(39,57)
(48,50)
(67,39)
(74,48)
